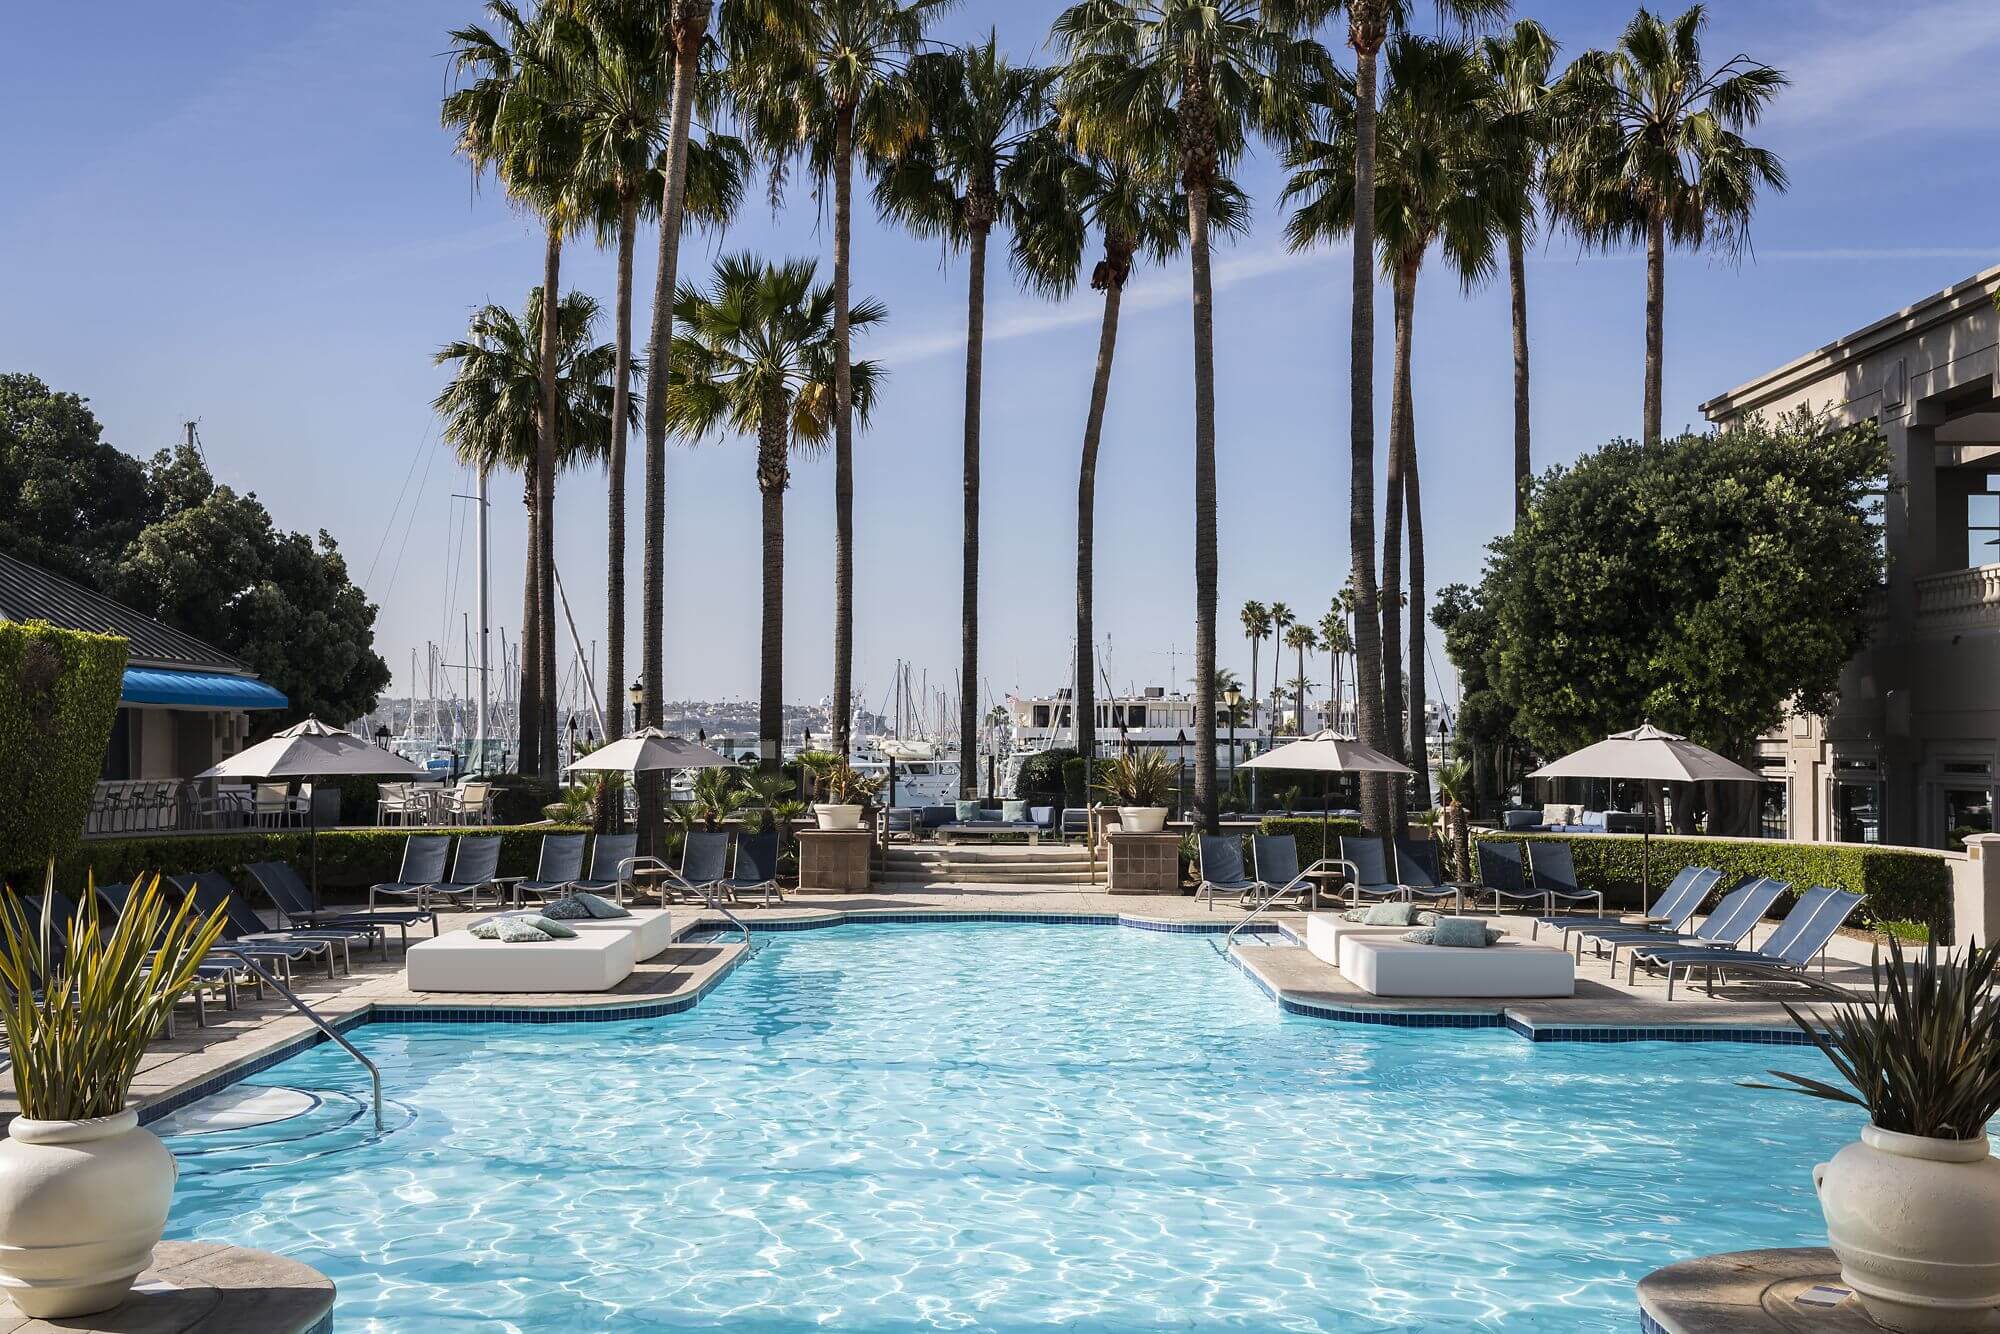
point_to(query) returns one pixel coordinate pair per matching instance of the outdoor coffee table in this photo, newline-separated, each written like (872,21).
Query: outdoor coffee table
(988,828)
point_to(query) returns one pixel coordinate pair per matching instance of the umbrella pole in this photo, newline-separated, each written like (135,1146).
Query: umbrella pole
(312,820)
(1646,869)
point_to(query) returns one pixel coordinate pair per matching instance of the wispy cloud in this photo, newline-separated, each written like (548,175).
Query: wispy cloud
(1159,287)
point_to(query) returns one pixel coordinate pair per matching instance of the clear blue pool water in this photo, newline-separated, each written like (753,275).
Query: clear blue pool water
(1008,1127)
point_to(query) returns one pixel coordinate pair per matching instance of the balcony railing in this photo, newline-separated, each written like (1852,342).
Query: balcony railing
(1959,599)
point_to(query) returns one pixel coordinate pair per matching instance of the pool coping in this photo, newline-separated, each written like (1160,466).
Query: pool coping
(1287,1000)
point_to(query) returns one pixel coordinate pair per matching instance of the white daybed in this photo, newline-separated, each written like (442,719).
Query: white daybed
(1325,931)
(652,929)
(460,961)
(1392,966)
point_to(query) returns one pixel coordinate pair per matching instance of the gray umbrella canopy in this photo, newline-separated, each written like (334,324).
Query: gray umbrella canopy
(647,750)
(1647,754)
(311,749)
(1328,752)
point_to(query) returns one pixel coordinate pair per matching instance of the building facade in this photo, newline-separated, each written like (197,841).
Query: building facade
(1911,754)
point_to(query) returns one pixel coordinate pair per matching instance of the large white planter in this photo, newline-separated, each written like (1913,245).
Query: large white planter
(1142,819)
(1916,1224)
(835,817)
(82,1204)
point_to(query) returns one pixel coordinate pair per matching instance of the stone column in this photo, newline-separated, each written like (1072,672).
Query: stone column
(1975,891)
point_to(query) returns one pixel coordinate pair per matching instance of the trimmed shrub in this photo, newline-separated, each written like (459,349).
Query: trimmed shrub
(1902,885)
(1076,788)
(1307,833)
(58,701)
(1042,776)
(518,799)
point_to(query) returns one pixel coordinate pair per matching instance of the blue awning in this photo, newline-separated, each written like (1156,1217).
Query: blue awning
(198,690)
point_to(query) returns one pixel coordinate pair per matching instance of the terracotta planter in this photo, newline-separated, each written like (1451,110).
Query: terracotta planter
(1916,1224)
(1142,819)
(832,816)
(82,1204)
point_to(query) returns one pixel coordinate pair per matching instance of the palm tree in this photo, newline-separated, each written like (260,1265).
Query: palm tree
(1195,79)
(982,110)
(1302,638)
(1338,643)
(1062,195)
(1256,618)
(492,407)
(512,114)
(1282,619)
(755,357)
(1652,148)
(823,80)
(1519,121)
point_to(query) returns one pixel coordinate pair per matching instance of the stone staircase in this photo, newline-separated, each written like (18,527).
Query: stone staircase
(914,865)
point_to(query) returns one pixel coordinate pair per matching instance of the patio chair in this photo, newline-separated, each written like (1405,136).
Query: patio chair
(609,854)
(1671,910)
(1736,915)
(244,933)
(288,893)
(1503,875)
(1222,869)
(1554,872)
(1368,860)
(1804,935)
(556,868)
(473,867)
(756,867)
(471,803)
(424,858)
(211,976)
(275,806)
(392,803)
(1418,873)
(899,822)
(1276,860)
(1075,820)
(704,866)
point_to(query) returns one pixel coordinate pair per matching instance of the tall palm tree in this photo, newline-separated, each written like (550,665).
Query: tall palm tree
(755,357)
(511,113)
(1302,638)
(1520,117)
(1335,638)
(1437,183)
(1282,619)
(982,110)
(492,407)
(821,82)
(1197,79)
(1256,618)
(1137,209)
(1652,149)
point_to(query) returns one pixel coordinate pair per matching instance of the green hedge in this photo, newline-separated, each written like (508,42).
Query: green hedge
(1041,777)
(58,700)
(1307,832)
(349,859)
(1901,884)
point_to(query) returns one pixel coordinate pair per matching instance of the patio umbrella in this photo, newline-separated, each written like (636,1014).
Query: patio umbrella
(1648,755)
(645,751)
(311,749)
(1327,752)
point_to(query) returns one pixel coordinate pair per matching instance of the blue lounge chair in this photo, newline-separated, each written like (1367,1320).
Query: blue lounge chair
(1368,870)
(1554,871)
(1222,869)
(1734,918)
(294,903)
(473,867)
(899,822)
(424,857)
(756,867)
(244,933)
(611,857)
(1417,871)
(704,867)
(1804,935)
(1277,864)
(211,976)
(557,867)
(1503,875)
(1677,903)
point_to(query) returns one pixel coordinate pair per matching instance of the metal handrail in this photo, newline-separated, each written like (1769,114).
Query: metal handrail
(630,864)
(312,1016)
(1353,872)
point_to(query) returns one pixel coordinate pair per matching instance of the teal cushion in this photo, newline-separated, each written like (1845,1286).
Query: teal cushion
(554,930)
(1355,914)
(601,907)
(1462,933)
(513,930)
(1390,914)
(968,811)
(568,908)
(1013,811)
(1423,935)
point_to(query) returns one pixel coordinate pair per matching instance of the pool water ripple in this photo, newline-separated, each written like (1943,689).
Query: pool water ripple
(994,1127)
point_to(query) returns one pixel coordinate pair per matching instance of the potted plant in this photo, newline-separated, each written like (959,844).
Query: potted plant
(1138,784)
(846,792)
(83,1190)
(1913,1208)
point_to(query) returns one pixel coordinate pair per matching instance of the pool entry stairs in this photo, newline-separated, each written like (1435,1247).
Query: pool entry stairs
(913,865)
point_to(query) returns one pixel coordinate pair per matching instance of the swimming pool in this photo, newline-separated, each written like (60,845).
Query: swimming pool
(1008,1127)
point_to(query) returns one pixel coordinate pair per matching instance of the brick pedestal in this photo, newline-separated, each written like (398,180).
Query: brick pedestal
(835,860)
(1144,863)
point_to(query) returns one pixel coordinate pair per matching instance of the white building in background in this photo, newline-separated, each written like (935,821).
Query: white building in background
(1911,754)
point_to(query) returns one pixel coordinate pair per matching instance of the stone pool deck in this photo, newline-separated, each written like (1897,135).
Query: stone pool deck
(199,1060)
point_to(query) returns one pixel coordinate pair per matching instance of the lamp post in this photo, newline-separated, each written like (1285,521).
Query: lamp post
(1232,697)
(637,694)
(1180,774)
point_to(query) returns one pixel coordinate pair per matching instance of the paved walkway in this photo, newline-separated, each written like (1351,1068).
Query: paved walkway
(236,1042)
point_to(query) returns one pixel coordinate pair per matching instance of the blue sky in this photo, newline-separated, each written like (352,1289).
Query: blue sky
(246,213)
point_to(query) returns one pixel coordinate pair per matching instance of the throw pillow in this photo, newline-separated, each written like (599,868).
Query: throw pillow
(1355,914)
(1462,933)
(1423,935)
(968,811)
(1013,811)
(554,930)
(1390,914)
(601,907)
(486,930)
(519,930)
(568,908)
(1426,919)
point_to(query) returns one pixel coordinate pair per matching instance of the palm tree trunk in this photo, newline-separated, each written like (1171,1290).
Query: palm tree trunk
(1299,704)
(1365,32)
(1253,673)
(968,661)
(843,434)
(1517,283)
(773,475)
(1656,300)
(545,486)
(614,524)
(527,704)
(1392,528)
(1204,509)
(1418,757)
(1085,696)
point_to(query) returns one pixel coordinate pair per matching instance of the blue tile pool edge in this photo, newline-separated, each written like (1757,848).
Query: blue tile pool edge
(385,1013)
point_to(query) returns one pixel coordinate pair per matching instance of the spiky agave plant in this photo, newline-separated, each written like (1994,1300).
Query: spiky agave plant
(1143,778)
(1923,1054)
(81,1005)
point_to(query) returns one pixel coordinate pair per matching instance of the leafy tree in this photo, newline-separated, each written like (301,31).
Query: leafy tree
(755,358)
(1485,730)
(1652,150)
(68,501)
(1708,583)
